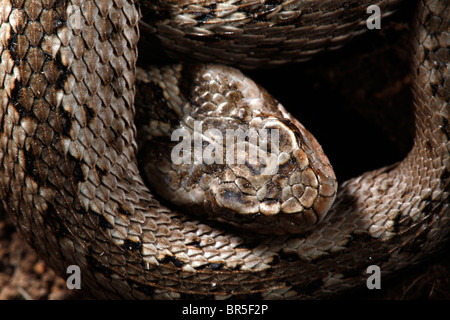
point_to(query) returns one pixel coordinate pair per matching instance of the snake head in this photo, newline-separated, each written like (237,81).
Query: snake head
(219,146)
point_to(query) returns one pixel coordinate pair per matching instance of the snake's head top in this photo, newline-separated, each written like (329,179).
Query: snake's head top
(222,147)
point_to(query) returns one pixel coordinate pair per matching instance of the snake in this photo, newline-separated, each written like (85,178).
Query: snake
(72,179)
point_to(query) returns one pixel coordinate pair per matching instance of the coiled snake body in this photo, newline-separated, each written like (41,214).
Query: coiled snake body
(69,173)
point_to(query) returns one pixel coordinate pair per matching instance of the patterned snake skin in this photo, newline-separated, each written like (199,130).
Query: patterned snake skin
(69,173)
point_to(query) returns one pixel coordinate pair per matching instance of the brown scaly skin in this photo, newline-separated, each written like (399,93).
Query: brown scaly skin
(69,174)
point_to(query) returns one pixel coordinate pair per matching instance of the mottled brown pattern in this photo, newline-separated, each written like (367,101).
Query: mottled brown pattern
(69,174)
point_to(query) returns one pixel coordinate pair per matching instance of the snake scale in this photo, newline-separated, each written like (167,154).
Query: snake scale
(69,172)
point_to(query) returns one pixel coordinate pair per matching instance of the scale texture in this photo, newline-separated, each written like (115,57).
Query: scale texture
(68,152)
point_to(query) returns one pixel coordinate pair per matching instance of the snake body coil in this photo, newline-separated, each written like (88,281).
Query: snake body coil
(69,174)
